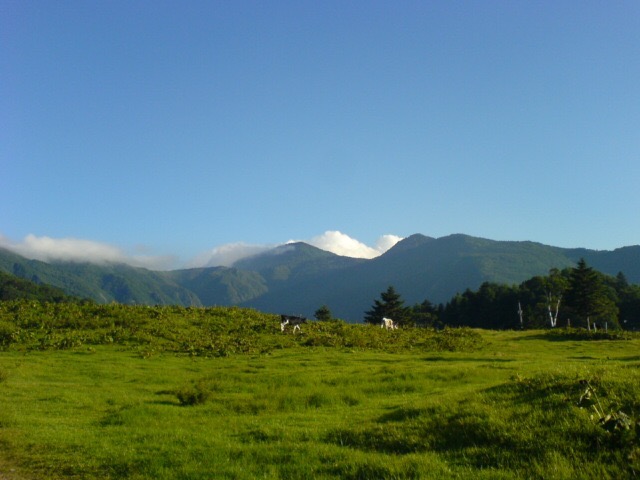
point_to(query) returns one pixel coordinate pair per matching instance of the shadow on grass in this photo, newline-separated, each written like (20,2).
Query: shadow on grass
(635,358)
(468,360)
(468,436)
(165,402)
(544,336)
(401,414)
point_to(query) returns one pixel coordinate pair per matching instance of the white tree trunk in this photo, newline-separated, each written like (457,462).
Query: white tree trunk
(520,313)
(553,316)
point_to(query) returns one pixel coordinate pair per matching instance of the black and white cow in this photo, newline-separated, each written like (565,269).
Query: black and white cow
(294,321)
(388,324)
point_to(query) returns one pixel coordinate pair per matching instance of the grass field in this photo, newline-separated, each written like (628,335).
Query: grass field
(510,405)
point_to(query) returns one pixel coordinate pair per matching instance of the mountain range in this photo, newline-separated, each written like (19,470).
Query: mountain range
(298,278)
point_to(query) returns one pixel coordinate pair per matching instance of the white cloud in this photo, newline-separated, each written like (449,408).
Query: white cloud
(342,244)
(385,242)
(49,249)
(226,255)
(331,241)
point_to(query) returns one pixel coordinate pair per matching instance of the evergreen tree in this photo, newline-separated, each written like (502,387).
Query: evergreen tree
(621,281)
(424,314)
(323,314)
(391,306)
(628,302)
(589,298)
(630,308)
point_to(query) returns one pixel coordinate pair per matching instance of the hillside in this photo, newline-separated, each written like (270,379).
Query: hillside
(419,268)
(102,283)
(297,278)
(625,259)
(15,288)
(220,285)
(294,262)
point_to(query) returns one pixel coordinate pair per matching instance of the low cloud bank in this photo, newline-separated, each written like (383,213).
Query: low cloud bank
(49,249)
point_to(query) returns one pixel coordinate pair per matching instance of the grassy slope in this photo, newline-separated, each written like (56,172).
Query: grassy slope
(508,410)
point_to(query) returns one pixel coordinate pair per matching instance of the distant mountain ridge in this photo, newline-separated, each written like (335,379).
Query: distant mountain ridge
(103,283)
(298,278)
(419,268)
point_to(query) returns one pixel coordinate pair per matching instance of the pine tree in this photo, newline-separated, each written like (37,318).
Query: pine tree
(391,306)
(621,281)
(588,296)
(424,314)
(323,314)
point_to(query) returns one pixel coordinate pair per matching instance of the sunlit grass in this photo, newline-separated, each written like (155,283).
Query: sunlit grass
(512,408)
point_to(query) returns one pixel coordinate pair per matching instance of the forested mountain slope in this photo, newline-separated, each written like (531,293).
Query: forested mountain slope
(298,278)
(103,283)
(419,268)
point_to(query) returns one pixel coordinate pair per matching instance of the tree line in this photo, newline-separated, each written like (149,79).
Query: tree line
(574,297)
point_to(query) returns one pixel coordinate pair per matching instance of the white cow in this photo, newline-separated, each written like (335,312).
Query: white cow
(388,324)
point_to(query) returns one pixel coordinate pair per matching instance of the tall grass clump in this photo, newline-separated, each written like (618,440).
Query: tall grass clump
(196,393)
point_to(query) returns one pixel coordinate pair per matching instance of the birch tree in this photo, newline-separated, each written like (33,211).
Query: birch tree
(555,286)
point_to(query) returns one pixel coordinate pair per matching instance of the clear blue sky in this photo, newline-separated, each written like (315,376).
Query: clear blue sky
(170,128)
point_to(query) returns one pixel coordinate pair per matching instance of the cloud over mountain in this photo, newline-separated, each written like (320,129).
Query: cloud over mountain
(49,249)
(342,244)
(227,254)
(331,241)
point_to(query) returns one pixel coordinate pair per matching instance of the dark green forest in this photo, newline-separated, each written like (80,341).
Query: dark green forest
(15,288)
(578,297)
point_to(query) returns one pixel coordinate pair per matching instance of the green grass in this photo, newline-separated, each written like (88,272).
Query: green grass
(337,401)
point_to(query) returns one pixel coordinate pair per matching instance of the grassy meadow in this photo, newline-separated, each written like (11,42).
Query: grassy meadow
(99,392)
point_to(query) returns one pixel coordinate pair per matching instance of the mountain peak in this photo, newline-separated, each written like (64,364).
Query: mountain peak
(408,243)
(290,259)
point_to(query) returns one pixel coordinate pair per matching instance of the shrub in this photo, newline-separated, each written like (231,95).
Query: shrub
(582,334)
(195,394)
(7,333)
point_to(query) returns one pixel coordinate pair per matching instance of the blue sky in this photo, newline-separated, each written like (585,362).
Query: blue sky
(170,130)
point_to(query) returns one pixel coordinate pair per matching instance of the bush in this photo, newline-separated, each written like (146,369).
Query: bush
(195,394)
(582,334)
(7,333)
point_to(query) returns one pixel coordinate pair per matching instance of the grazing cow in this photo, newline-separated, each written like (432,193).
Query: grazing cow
(291,320)
(388,324)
